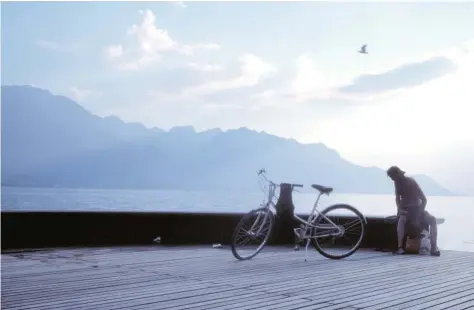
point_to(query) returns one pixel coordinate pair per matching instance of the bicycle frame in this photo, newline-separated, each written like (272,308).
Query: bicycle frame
(307,228)
(315,214)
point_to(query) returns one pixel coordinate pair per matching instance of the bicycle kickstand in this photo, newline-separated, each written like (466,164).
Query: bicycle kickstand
(306,250)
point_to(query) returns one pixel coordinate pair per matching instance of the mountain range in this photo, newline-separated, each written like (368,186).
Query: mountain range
(50,140)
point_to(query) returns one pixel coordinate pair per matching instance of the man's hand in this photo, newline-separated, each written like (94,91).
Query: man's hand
(401,212)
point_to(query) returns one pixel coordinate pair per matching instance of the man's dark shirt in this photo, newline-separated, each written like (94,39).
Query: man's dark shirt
(409,192)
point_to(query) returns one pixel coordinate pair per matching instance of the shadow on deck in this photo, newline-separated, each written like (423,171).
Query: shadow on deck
(198,277)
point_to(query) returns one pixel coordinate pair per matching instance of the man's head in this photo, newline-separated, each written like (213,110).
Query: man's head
(395,173)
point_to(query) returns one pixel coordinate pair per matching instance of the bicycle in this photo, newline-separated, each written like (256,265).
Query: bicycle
(311,230)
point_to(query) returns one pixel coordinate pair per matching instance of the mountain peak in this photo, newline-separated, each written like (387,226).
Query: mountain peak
(50,140)
(182,129)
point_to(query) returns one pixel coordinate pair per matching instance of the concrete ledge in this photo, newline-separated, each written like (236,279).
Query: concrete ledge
(34,230)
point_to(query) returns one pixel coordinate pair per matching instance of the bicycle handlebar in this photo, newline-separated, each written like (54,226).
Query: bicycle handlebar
(262,172)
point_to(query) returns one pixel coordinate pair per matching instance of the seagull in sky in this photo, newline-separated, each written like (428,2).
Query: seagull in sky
(363,49)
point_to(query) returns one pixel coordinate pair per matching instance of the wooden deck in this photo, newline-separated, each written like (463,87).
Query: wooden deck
(206,278)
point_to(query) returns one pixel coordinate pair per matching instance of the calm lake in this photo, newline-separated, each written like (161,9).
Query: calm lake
(456,233)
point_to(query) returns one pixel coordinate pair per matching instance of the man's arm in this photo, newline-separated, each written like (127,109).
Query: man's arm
(398,199)
(422,196)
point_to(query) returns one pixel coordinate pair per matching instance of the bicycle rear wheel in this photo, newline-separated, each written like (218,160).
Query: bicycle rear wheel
(346,243)
(255,226)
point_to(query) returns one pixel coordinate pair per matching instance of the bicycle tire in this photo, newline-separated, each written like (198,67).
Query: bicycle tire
(361,217)
(239,226)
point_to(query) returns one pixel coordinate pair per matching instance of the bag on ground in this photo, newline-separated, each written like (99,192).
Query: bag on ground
(412,245)
(425,243)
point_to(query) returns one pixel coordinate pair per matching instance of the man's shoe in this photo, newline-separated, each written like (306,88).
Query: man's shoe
(435,253)
(400,251)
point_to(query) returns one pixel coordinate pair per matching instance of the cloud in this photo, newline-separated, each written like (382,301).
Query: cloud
(54,46)
(266,94)
(225,91)
(179,4)
(190,50)
(252,71)
(256,86)
(204,67)
(310,83)
(405,76)
(413,125)
(80,95)
(114,51)
(146,44)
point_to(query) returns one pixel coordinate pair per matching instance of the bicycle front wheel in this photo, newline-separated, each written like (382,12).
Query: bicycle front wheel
(335,243)
(252,233)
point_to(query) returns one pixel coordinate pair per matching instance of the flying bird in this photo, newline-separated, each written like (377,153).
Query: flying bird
(363,49)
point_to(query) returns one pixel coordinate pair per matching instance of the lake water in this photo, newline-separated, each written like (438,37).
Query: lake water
(456,233)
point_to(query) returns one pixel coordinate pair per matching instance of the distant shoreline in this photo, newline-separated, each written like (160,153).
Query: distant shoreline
(307,191)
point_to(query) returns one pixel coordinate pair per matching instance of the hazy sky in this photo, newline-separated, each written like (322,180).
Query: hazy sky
(291,69)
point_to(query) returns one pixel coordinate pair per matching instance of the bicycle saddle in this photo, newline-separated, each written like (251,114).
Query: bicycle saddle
(322,189)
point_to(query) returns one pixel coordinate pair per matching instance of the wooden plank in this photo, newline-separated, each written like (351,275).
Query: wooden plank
(206,278)
(124,294)
(319,306)
(272,273)
(242,304)
(435,303)
(249,297)
(294,304)
(411,292)
(402,280)
(156,301)
(352,279)
(353,296)
(432,292)
(87,279)
(263,304)
(119,288)
(249,268)
(458,303)
(358,286)
(65,287)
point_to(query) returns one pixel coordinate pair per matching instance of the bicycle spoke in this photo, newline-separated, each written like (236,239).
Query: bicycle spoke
(252,233)
(354,223)
(345,237)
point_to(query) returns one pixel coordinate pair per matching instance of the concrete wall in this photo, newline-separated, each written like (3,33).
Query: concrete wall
(27,230)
